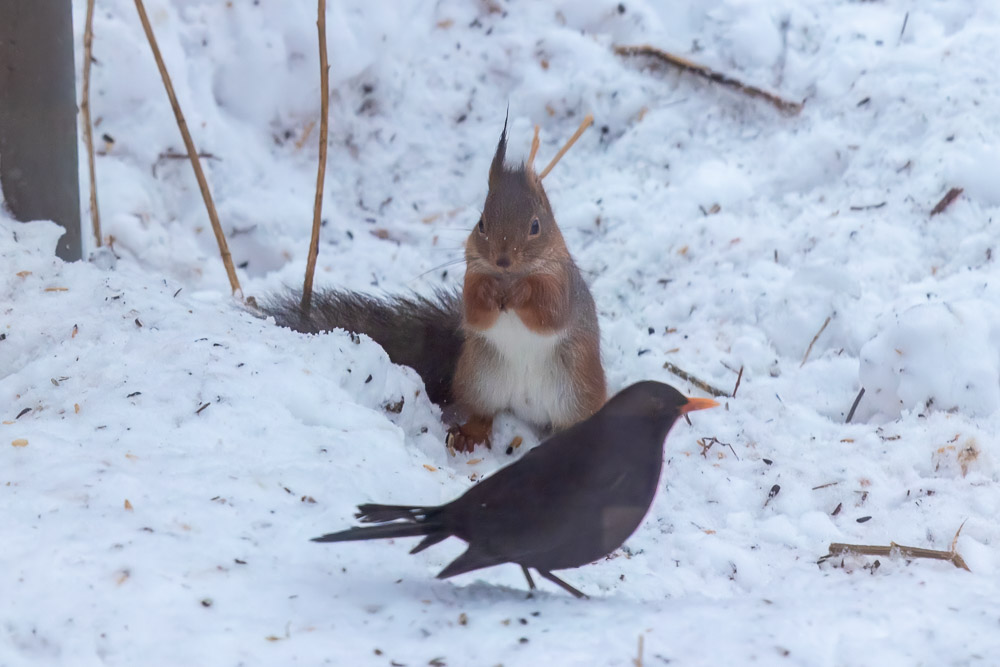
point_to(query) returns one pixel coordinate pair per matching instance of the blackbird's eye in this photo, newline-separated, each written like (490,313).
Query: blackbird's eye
(482,227)
(535,227)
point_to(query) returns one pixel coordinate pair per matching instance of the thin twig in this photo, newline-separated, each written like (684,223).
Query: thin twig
(706,444)
(954,540)
(534,148)
(946,201)
(701,384)
(324,69)
(703,71)
(850,415)
(638,661)
(170,155)
(88,129)
(813,341)
(738,379)
(213,216)
(952,556)
(587,122)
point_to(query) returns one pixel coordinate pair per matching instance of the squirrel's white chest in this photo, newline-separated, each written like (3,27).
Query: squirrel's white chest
(527,377)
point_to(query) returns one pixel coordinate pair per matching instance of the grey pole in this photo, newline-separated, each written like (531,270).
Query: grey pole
(38,144)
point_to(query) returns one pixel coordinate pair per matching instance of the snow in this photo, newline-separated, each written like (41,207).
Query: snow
(233,441)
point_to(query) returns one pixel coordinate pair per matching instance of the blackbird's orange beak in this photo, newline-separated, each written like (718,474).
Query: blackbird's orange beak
(698,404)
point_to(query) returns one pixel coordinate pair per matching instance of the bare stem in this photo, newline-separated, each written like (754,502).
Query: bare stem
(213,216)
(324,84)
(534,148)
(813,341)
(701,384)
(587,122)
(854,406)
(702,71)
(88,129)
(838,548)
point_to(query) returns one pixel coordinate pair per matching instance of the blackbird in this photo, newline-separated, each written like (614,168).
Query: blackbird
(571,500)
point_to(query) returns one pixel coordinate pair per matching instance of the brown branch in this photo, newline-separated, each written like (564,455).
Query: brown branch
(739,378)
(813,341)
(703,71)
(213,216)
(854,406)
(587,122)
(839,548)
(701,384)
(88,129)
(534,148)
(946,201)
(324,84)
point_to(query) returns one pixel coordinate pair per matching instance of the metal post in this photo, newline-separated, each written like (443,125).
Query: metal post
(38,144)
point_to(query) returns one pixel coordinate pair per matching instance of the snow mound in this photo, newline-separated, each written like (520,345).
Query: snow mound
(943,356)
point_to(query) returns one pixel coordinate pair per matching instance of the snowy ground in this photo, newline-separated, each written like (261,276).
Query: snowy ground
(179,453)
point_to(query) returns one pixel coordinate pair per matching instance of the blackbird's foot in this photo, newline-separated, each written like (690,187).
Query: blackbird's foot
(465,437)
(562,584)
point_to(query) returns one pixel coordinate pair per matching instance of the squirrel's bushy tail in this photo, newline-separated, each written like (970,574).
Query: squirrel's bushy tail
(422,333)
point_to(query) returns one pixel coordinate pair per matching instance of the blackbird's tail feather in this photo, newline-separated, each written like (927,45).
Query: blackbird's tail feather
(374,513)
(430,541)
(467,562)
(396,521)
(377,532)
(420,332)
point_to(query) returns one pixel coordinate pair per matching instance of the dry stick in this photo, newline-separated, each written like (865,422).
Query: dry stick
(738,379)
(946,201)
(854,406)
(839,548)
(534,147)
(88,130)
(701,384)
(813,341)
(324,73)
(587,122)
(213,216)
(718,77)
(638,661)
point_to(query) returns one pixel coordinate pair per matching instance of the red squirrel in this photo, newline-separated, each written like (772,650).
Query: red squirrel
(522,336)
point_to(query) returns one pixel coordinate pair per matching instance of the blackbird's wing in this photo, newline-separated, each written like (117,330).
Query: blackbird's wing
(568,502)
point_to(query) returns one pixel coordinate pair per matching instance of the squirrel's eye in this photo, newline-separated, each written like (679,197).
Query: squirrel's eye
(482,227)
(535,227)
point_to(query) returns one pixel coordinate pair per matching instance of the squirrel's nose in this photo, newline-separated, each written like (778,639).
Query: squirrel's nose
(503,261)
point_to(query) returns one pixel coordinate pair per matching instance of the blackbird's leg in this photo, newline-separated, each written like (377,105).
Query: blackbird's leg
(527,575)
(562,584)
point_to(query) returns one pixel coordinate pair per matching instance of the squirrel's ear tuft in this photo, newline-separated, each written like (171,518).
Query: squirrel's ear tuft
(497,167)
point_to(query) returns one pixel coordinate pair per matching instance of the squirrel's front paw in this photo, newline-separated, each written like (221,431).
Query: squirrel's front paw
(465,437)
(518,294)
